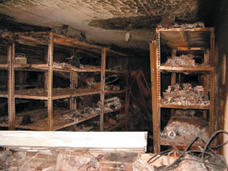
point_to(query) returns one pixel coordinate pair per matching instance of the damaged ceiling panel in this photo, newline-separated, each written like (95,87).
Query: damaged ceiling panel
(104,22)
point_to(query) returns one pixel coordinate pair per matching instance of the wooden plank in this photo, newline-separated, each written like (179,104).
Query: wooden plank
(184,29)
(11,85)
(3,66)
(116,71)
(184,107)
(154,55)
(50,81)
(58,93)
(186,69)
(102,95)
(122,141)
(115,92)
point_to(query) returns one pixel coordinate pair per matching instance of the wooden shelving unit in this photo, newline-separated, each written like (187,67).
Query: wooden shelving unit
(49,41)
(189,40)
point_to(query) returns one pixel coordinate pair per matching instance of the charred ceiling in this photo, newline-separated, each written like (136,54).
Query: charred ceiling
(103,22)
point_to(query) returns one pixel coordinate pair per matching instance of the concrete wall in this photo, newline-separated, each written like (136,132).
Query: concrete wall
(221,59)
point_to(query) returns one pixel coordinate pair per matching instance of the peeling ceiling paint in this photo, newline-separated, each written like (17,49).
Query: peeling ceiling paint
(103,21)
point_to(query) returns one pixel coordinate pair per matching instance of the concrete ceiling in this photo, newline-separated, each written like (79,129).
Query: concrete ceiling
(103,21)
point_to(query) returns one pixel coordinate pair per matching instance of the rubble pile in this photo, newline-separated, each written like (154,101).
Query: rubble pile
(185,94)
(183,60)
(183,132)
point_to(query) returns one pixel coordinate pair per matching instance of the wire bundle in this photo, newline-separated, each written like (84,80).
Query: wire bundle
(206,156)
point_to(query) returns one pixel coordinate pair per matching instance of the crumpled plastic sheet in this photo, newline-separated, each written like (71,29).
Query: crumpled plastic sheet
(183,132)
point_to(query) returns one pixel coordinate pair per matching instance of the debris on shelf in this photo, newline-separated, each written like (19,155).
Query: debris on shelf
(183,132)
(182,61)
(79,114)
(185,94)
(112,87)
(110,104)
(185,113)
(111,79)
(92,67)
(88,67)
(185,25)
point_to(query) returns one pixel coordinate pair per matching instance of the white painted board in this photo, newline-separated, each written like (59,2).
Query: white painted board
(125,141)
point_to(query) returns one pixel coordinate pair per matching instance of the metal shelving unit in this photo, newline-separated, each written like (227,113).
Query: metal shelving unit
(50,40)
(189,40)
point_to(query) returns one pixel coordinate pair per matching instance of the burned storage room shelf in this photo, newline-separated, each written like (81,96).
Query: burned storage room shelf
(58,93)
(189,38)
(191,76)
(42,38)
(62,118)
(186,69)
(49,43)
(162,105)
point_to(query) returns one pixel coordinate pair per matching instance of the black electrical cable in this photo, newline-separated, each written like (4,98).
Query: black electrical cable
(158,156)
(209,142)
(182,154)
(207,151)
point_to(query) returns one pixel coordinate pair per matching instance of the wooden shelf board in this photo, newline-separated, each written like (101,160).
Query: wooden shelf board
(56,67)
(116,71)
(168,143)
(186,69)
(41,124)
(4,94)
(114,92)
(183,106)
(58,93)
(185,29)
(41,38)
(199,122)
(4,66)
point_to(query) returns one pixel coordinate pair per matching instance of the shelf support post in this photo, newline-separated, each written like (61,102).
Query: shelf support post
(50,81)
(102,95)
(11,85)
(127,97)
(212,85)
(154,55)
